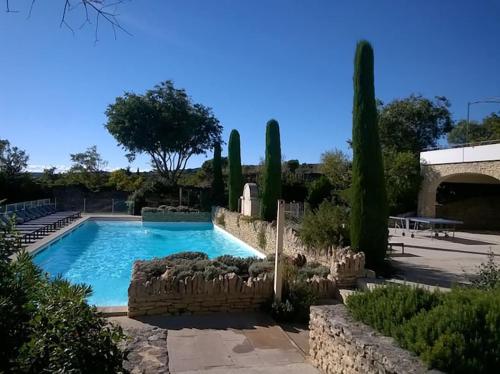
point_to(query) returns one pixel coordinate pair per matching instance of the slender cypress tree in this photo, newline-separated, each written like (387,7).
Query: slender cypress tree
(369,201)
(235,183)
(271,189)
(217,182)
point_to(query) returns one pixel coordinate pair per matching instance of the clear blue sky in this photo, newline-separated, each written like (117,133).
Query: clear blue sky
(249,60)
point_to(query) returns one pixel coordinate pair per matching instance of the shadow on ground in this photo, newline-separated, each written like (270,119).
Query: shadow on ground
(427,275)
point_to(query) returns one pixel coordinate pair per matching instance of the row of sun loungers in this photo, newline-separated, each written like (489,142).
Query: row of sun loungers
(33,223)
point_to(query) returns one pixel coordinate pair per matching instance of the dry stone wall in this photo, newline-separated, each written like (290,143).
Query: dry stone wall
(171,296)
(338,344)
(346,266)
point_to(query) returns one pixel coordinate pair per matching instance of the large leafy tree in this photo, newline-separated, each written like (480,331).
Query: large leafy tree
(464,132)
(336,166)
(413,123)
(271,189)
(165,124)
(13,160)
(89,161)
(235,173)
(369,201)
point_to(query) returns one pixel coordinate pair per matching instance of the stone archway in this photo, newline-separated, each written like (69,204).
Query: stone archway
(465,172)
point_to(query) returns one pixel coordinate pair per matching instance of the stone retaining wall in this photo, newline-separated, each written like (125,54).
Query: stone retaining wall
(229,293)
(338,344)
(262,235)
(166,216)
(345,265)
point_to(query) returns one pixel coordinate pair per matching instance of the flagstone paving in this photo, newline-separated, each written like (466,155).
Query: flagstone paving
(223,343)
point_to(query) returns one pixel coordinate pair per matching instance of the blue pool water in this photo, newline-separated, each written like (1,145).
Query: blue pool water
(101,253)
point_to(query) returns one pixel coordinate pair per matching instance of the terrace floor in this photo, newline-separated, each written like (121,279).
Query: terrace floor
(442,261)
(223,343)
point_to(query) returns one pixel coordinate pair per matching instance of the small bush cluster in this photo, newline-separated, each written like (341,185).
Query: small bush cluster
(456,332)
(325,227)
(187,264)
(167,208)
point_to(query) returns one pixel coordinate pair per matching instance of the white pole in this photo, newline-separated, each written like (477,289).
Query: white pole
(278,268)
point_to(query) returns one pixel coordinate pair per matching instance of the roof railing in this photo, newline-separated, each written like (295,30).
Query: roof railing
(471,144)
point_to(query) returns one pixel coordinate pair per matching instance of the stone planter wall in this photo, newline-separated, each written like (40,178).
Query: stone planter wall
(338,344)
(346,266)
(166,216)
(170,296)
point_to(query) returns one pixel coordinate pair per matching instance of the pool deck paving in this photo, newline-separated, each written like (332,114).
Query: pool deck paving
(227,343)
(443,261)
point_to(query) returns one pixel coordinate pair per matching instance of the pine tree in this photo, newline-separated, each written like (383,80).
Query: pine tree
(235,183)
(217,182)
(369,201)
(271,189)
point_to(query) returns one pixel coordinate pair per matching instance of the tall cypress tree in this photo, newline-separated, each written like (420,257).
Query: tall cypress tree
(369,201)
(217,182)
(235,183)
(271,189)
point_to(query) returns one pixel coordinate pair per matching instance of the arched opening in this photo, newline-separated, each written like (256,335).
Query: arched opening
(472,198)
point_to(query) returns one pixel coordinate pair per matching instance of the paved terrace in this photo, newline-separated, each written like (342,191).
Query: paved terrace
(442,261)
(246,343)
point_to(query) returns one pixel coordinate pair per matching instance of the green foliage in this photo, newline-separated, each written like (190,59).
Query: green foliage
(488,274)
(312,269)
(89,161)
(46,325)
(319,190)
(402,180)
(474,131)
(368,196)
(217,181)
(292,165)
(387,308)
(337,167)
(414,123)
(235,184)
(461,335)
(325,227)
(121,180)
(242,263)
(271,189)
(456,332)
(12,159)
(67,335)
(165,124)
(261,267)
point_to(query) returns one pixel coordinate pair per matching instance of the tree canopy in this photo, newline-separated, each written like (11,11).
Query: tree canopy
(165,124)
(414,123)
(89,161)
(463,132)
(12,159)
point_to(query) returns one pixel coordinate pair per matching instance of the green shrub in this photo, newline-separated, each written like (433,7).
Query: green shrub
(461,335)
(242,263)
(67,335)
(488,274)
(386,308)
(456,332)
(47,326)
(325,227)
(319,191)
(312,269)
(261,267)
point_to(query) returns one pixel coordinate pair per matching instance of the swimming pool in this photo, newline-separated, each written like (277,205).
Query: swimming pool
(101,253)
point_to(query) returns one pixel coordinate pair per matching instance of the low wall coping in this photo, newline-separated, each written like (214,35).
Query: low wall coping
(383,349)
